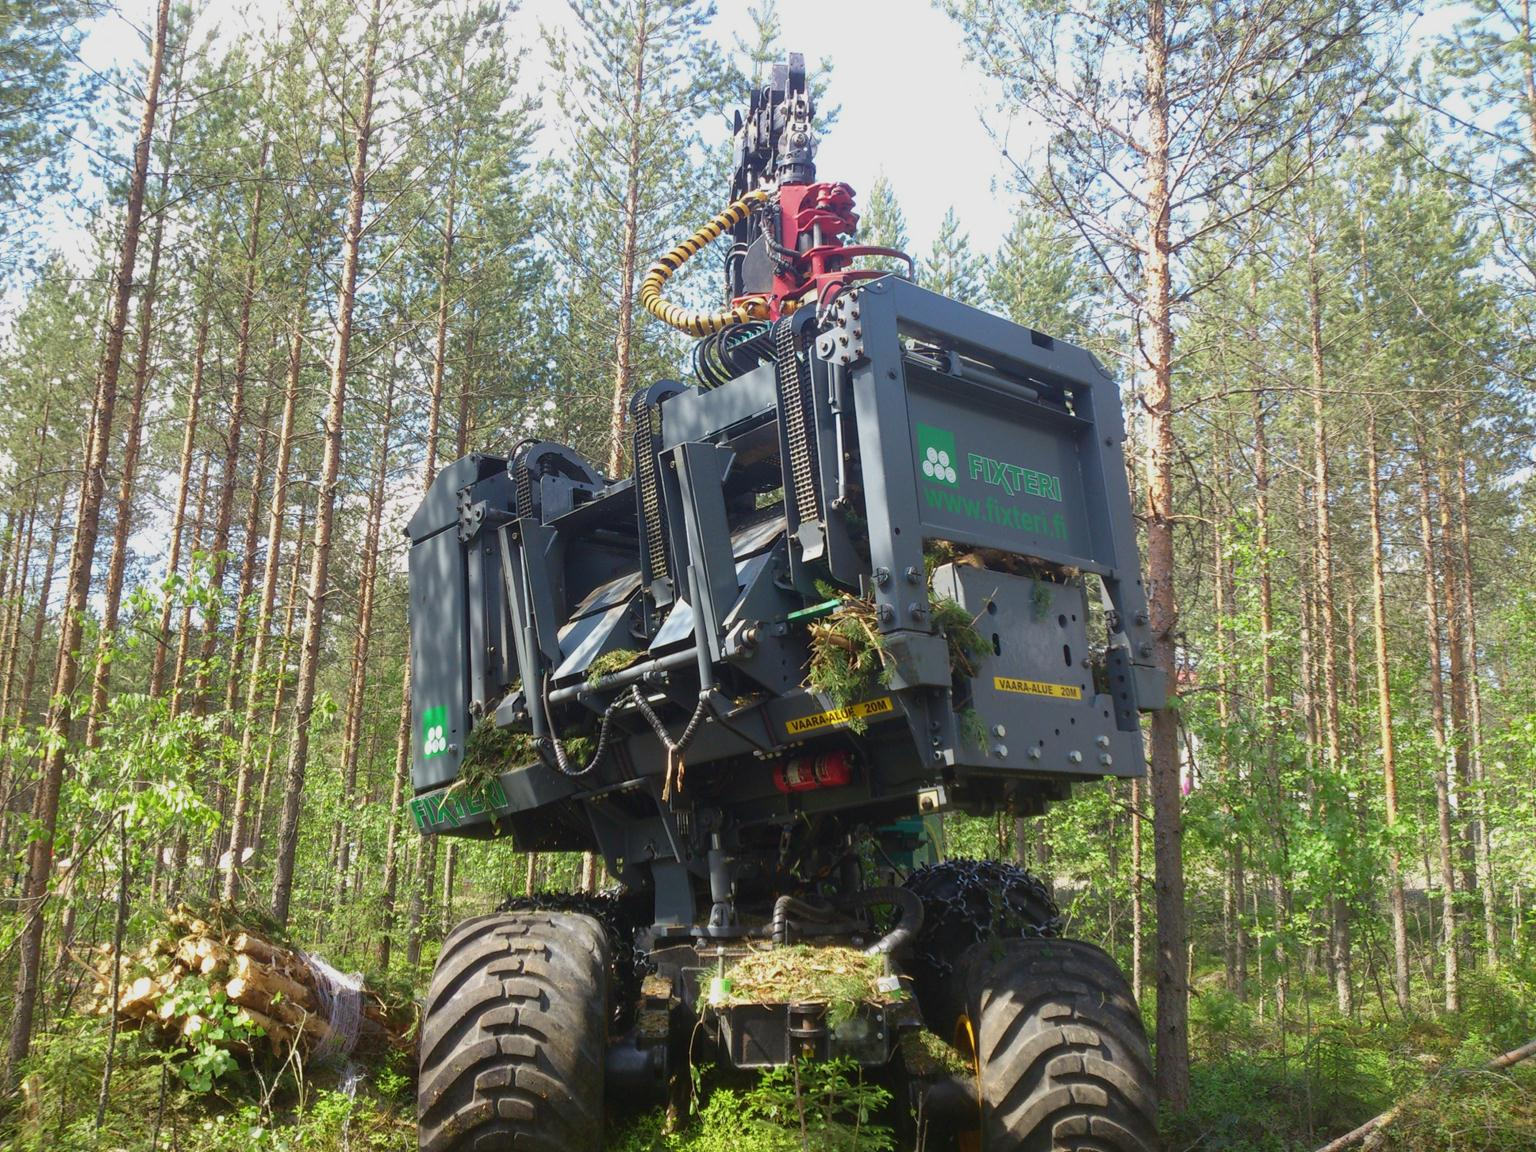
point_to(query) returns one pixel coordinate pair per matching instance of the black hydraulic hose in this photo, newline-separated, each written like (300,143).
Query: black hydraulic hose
(784,905)
(909,921)
(560,762)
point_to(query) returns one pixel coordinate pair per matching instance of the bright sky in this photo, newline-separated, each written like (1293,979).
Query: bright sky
(910,106)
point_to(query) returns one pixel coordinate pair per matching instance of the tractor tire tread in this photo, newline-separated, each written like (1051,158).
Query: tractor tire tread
(513,1038)
(1063,1056)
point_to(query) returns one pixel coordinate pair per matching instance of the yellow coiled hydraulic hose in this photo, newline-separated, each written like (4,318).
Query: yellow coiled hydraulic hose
(686,319)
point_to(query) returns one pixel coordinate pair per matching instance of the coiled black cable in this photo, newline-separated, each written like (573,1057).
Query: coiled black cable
(730,352)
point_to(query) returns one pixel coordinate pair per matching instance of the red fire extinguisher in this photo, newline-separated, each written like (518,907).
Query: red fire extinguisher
(804,773)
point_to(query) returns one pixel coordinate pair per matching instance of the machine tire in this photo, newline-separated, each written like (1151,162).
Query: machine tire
(1061,1056)
(514,1035)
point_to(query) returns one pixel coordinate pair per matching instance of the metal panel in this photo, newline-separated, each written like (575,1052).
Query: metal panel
(678,626)
(585,639)
(1034,697)
(439,661)
(990,470)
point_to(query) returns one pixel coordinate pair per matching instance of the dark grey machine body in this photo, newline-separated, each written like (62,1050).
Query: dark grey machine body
(897,419)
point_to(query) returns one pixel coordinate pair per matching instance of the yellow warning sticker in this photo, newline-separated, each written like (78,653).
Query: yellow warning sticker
(803,724)
(1038,688)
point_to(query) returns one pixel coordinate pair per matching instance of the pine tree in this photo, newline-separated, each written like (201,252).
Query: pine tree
(45,807)
(638,77)
(44,94)
(361,119)
(1037,279)
(1180,158)
(952,269)
(882,225)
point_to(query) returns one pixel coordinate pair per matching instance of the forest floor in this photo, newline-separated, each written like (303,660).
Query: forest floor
(1256,1088)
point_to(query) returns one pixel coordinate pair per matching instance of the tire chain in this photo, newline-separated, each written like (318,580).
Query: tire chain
(966,902)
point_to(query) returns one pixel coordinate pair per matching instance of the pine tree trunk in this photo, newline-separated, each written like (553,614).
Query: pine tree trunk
(358,685)
(1341,961)
(1138,915)
(46,807)
(21,575)
(280,691)
(178,850)
(325,504)
(232,436)
(40,619)
(244,769)
(29,675)
(123,525)
(1172,1031)
(1234,952)
(1460,722)
(466,391)
(250,537)
(423,872)
(1475,698)
(1269,719)
(1437,726)
(1400,977)
(444,282)
(629,251)
(184,628)
(450,875)
(18,569)
(219,876)
(392,836)
(183,486)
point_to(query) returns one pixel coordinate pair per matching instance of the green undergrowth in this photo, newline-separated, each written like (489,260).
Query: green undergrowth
(1258,1088)
(811,1107)
(250,1108)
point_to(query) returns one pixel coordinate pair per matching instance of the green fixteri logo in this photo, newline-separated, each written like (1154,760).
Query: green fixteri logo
(936,454)
(434,732)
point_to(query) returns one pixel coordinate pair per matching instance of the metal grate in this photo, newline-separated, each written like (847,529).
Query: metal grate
(799,426)
(648,485)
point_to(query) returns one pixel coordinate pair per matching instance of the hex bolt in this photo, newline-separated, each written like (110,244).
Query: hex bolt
(1075,756)
(1145,650)
(1001,750)
(1034,752)
(882,576)
(1106,759)
(999,730)
(913,576)
(887,614)
(917,610)
(1102,741)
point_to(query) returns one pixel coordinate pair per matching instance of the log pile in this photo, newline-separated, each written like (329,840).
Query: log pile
(273,987)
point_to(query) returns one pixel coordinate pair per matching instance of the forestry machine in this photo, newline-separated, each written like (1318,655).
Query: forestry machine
(874,563)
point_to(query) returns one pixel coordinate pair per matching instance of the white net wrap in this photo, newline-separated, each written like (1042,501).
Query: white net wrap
(340,996)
